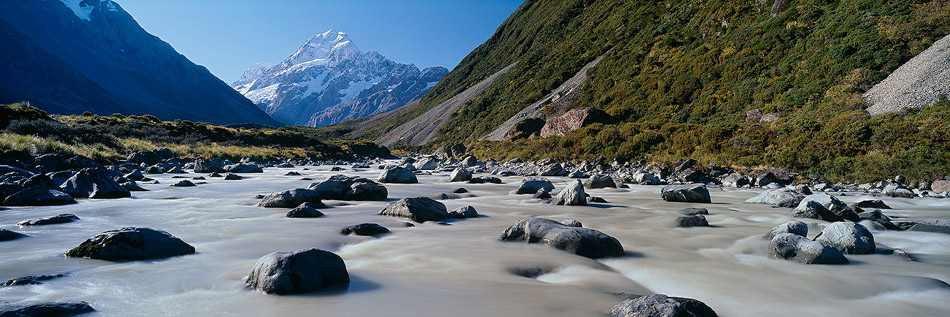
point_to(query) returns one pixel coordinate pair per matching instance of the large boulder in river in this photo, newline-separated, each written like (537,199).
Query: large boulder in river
(793,247)
(793,227)
(94,183)
(600,181)
(45,309)
(460,174)
(464,212)
(573,120)
(306,210)
(243,168)
(290,198)
(7,235)
(660,305)
(782,197)
(300,271)
(209,166)
(847,237)
(572,195)
(131,243)
(581,241)
(691,193)
(418,209)
(898,191)
(151,157)
(530,185)
(807,209)
(397,175)
(342,187)
(38,196)
(52,220)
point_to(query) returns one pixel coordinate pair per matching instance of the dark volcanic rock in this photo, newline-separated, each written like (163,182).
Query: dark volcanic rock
(342,187)
(131,243)
(297,272)
(693,193)
(290,198)
(581,241)
(364,229)
(877,204)
(62,218)
(660,305)
(45,309)
(419,209)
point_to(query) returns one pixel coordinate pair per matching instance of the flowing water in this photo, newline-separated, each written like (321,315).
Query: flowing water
(461,269)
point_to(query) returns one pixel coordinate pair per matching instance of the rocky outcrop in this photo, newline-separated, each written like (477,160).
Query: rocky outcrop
(581,241)
(818,206)
(575,119)
(418,209)
(693,193)
(919,82)
(300,271)
(342,187)
(131,243)
(660,305)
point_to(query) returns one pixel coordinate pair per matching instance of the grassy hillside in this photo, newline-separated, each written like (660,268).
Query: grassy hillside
(106,138)
(681,76)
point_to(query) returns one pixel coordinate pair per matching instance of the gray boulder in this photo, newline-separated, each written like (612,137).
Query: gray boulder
(427,164)
(793,227)
(61,218)
(183,183)
(290,198)
(464,212)
(7,235)
(151,157)
(880,218)
(531,185)
(572,195)
(209,166)
(847,237)
(581,241)
(418,209)
(397,175)
(572,223)
(793,247)
(814,210)
(690,221)
(932,225)
(692,193)
(243,168)
(306,210)
(876,204)
(45,309)
(694,211)
(300,271)
(37,196)
(644,178)
(132,186)
(898,191)
(94,183)
(660,305)
(600,181)
(342,187)
(131,243)
(830,203)
(782,197)
(460,174)
(232,177)
(365,229)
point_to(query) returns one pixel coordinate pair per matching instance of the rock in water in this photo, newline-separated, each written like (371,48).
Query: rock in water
(693,193)
(464,212)
(830,203)
(62,218)
(694,211)
(572,223)
(209,166)
(793,227)
(344,187)
(306,210)
(39,197)
(131,243)
(232,177)
(419,209)
(814,210)
(600,181)
(898,191)
(581,241)
(365,229)
(94,183)
(291,198)
(45,309)
(300,271)
(397,175)
(660,305)
(7,235)
(243,168)
(847,237)
(782,197)
(460,174)
(793,247)
(183,183)
(691,221)
(531,185)
(572,195)
(879,204)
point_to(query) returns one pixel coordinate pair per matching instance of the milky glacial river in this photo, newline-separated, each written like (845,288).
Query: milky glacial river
(462,269)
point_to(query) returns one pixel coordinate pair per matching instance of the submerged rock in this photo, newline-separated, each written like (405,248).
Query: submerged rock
(419,209)
(660,305)
(291,198)
(45,309)
(694,211)
(232,177)
(793,247)
(300,271)
(572,195)
(7,235)
(397,175)
(581,241)
(31,280)
(183,183)
(131,243)
(782,197)
(847,237)
(365,229)
(62,218)
(306,210)
(690,221)
(693,193)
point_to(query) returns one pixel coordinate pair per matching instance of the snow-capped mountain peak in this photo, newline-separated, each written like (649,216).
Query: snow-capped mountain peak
(330,47)
(83,8)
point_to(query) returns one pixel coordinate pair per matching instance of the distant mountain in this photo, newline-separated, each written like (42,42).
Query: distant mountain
(70,56)
(329,80)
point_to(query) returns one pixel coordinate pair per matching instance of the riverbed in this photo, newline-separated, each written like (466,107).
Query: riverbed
(460,268)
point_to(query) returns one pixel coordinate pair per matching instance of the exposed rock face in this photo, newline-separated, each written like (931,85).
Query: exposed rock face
(94,183)
(793,247)
(300,271)
(131,244)
(397,175)
(525,128)
(693,193)
(575,119)
(847,237)
(364,229)
(782,197)
(919,82)
(290,198)
(940,186)
(793,227)
(342,187)
(660,305)
(45,309)
(778,7)
(581,241)
(418,209)
(531,185)
(572,195)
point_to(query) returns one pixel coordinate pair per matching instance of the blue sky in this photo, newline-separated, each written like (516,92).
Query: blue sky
(227,36)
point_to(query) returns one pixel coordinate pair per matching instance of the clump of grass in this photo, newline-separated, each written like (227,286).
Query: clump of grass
(37,146)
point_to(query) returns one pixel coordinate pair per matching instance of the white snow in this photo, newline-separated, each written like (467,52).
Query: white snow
(430,85)
(357,87)
(82,10)
(315,86)
(264,95)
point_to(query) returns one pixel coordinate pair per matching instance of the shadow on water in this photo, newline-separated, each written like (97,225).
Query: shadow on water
(357,285)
